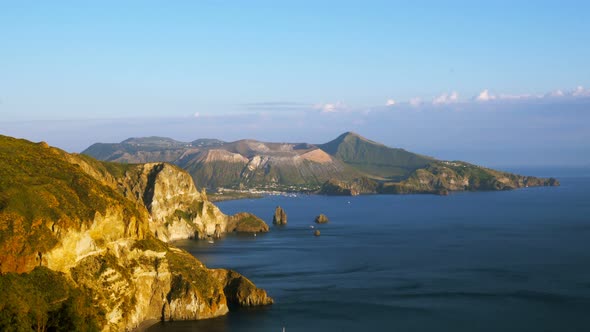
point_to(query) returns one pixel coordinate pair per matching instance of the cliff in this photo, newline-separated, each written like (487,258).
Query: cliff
(91,230)
(176,208)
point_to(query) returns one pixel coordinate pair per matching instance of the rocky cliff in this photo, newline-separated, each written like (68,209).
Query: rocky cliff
(93,229)
(176,208)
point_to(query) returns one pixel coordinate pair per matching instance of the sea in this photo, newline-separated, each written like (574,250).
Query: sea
(472,261)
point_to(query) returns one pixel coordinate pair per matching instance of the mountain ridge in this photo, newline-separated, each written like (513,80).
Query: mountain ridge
(356,163)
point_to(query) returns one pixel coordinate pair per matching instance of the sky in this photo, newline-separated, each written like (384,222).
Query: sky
(500,83)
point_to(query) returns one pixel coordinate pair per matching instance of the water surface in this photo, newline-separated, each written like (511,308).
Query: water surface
(486,261)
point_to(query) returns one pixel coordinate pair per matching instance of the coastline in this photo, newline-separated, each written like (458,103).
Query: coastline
(146,324)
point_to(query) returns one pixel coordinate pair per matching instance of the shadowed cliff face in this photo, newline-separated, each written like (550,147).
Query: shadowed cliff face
(94,225)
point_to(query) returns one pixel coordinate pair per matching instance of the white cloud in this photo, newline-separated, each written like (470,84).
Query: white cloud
(197,114)
(390,102)
(453,97)
(555,93)
(416,102)
(485,95)
(330,107)
(580,92)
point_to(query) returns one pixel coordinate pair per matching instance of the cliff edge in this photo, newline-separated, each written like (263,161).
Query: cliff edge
(81,244)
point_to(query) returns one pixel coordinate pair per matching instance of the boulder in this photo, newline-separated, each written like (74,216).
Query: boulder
(317,232)
(280,217)
(321,219)
(245,222)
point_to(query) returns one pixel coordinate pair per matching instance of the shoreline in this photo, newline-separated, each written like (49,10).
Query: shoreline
(146,324)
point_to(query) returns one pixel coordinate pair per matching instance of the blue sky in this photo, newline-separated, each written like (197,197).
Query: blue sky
(223,69)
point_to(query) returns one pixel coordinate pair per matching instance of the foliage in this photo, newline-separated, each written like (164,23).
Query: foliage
(374,159)
(44,300)
(41,193)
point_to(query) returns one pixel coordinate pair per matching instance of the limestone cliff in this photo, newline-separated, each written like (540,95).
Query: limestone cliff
(89,227)
(177,209)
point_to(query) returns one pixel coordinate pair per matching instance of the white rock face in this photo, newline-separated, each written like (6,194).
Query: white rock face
(177,210)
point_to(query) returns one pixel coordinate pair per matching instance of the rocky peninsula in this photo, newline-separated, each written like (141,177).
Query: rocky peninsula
(83,243)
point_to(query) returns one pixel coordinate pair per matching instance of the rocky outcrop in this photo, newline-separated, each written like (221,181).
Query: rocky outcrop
(245,222)
(321,219)
(89,228)
(176,208)
(240,291)
(280,216)
(316,232)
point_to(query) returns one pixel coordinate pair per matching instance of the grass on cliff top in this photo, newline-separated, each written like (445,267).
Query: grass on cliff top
(41,191)
(44,300)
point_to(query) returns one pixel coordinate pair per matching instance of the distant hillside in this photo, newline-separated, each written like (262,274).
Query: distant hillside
(348,164)
(373,159)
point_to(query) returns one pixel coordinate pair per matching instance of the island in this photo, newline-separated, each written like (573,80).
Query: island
(347,165)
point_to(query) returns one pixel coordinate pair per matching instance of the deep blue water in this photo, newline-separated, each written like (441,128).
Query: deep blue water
(487,261)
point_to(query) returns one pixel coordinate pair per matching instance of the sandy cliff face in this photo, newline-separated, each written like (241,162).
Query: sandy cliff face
(177,209)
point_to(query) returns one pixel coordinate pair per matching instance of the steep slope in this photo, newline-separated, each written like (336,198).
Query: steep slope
(373,159)
(83,225)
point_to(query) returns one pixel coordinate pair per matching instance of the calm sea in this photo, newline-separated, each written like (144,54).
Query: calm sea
(486,261)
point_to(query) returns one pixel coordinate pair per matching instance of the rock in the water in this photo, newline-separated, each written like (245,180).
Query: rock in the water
(245,222)
(239,291)
(317,232)
(280,217)
(321,219)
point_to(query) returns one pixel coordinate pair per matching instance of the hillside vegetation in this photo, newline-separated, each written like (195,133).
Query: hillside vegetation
(80,246)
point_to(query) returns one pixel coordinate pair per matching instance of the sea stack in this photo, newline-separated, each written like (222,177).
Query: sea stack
(280,217)
(321,219)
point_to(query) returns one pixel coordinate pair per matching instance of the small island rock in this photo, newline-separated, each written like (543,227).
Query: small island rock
(280,216)
(244,222)
(321,219)
(317,232)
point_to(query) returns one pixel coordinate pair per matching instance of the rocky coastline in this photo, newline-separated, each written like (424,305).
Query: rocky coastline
(98,233)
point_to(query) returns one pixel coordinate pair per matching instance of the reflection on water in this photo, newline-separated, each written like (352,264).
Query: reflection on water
(489,261)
